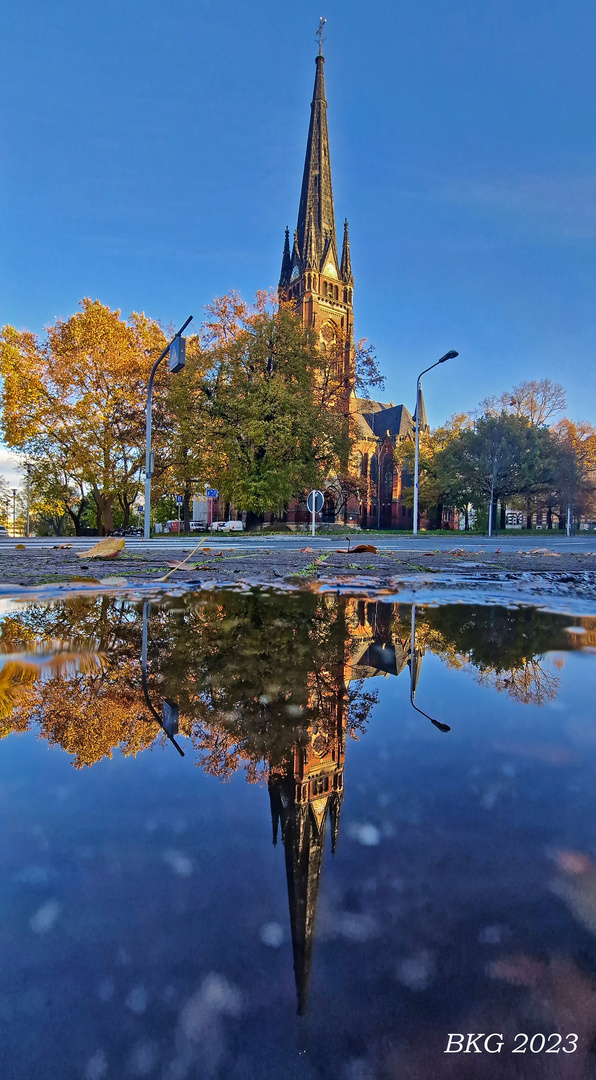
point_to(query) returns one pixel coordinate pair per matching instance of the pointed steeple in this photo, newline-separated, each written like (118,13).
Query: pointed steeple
(296,260)
(422,421)
(346,262)
(304,856)
(310,252)
(316,197)
(334,809)
(286,263)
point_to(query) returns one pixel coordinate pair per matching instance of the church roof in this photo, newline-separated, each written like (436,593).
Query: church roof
(381,418)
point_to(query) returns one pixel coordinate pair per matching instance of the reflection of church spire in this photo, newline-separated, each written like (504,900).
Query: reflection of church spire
(303,833)
(309,791)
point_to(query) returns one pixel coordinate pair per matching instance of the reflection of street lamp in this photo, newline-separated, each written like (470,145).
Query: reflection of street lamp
(177,360)
(437,724)
(448,356)
(168,721)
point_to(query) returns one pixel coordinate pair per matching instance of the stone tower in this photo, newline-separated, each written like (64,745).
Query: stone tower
(313,277)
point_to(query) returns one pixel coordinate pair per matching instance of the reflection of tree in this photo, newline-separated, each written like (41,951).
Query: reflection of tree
(504,646)
(530,684)
(254,674)
(257,674)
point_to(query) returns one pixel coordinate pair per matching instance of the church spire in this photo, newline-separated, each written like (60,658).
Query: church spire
(316,197)
(346,262)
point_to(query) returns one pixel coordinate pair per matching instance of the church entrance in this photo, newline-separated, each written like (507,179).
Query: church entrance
(328,512)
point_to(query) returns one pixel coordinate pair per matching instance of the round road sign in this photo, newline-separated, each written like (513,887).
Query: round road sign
(315,501)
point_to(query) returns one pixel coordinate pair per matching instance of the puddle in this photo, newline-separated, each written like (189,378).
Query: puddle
(300,835)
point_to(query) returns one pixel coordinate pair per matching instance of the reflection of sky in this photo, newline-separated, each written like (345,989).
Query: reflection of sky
(143,900)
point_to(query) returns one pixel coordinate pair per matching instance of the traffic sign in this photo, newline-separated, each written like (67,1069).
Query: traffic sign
(212,493)
(315,501)
(179,500)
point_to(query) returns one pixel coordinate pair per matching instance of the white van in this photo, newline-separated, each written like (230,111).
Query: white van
(227,526)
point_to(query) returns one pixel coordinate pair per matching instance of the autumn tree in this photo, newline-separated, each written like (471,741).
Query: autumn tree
(257,408)
(574,482)
(79,395)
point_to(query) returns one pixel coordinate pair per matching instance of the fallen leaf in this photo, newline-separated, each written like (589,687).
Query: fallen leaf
(108,548)
(182,564)
(311,549)
(112,581)
(356,550)
(59,547)
(88,580)
(20,547)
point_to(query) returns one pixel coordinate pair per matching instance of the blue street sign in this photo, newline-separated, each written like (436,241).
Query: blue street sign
(179,500)
(212,493)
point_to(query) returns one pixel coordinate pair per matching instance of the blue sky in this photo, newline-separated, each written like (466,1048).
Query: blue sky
(153,155)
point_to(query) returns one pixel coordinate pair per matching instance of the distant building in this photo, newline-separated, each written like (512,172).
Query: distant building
(320,283)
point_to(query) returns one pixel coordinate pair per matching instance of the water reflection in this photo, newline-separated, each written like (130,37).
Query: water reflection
(250,677)
(273,685)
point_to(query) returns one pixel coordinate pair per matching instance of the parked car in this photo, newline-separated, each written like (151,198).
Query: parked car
(132,530)
(3,532)
(198,526)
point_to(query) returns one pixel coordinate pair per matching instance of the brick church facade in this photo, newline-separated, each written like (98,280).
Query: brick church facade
(318,281)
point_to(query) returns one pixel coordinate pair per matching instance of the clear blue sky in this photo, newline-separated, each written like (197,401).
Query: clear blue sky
(153,155)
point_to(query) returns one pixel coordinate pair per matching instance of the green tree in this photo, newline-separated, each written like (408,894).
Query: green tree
(259,410)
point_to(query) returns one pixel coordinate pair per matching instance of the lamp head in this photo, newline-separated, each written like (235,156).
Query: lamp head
(449,356)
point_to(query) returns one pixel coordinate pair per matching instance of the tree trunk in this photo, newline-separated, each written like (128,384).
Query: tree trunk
(439,516)
(186,506)
(76,518)
(502,521)
(104,504)
(466,520)
(549,518)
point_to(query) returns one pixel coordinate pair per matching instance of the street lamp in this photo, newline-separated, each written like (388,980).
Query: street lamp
(176,349)
(448,356)
(28,468)
(14,511)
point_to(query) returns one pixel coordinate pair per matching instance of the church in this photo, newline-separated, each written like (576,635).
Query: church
(319,283)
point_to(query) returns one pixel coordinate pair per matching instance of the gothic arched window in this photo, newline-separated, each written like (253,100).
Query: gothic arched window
(374,468)
(388,479)
(364,466)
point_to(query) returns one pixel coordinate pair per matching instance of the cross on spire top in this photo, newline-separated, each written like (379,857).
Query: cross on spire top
(322,22)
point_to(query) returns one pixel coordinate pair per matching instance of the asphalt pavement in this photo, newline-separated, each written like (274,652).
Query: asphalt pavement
(294,542)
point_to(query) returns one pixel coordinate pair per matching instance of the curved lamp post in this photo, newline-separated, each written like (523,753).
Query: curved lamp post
(448,356)
(168,722)
(175,348)
(437,723)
